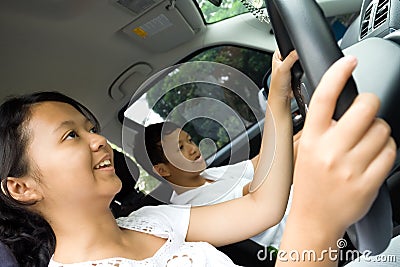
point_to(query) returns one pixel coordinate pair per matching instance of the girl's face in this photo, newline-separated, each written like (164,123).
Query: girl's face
(74,163)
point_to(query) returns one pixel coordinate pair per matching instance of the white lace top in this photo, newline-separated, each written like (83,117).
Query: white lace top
(169,222)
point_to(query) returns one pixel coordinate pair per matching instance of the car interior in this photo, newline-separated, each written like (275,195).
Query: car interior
(115,55)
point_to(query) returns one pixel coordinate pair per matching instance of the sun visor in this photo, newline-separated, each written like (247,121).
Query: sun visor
(160,29)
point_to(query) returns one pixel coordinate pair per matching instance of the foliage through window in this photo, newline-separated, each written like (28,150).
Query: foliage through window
(228,8)
(172,98)
(166,101)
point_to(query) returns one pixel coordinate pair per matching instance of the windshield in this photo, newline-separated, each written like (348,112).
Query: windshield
(227,9)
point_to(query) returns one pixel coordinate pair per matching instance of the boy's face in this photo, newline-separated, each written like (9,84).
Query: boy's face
(182,152)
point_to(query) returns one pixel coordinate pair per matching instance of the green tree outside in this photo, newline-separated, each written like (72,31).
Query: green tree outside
(228,8)
(165,96)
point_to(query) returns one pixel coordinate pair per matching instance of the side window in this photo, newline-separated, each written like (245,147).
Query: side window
(214,110)
(251,62)
(165,101)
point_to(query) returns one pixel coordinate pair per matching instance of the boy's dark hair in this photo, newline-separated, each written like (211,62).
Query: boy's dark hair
(148,150)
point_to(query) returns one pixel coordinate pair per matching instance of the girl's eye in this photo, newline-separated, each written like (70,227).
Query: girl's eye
(190,140)
(94,130)
(180,147)
(71,135)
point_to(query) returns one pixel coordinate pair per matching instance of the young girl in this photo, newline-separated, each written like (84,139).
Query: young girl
(58,180)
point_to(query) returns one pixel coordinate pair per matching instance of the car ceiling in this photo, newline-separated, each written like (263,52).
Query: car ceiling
(87,49)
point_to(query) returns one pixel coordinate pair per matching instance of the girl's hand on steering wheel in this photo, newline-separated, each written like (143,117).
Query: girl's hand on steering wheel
(281,76)
(340,165)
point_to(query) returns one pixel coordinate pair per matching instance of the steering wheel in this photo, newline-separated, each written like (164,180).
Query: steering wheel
(301,25)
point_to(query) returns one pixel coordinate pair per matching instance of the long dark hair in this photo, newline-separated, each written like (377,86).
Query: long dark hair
(27,234)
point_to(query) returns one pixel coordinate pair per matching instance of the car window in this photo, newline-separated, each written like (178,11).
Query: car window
(217,127)
(171,99)
(227,9)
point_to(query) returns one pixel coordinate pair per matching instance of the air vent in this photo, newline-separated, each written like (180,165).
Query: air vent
(382,11)
(365,21)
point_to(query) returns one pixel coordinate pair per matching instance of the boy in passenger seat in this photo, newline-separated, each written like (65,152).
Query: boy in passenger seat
(175,157)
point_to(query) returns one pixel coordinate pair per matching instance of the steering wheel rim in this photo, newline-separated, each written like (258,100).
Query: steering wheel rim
(304,27)
(301,25)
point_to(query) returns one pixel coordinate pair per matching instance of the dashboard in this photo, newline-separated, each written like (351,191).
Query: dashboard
(378,18)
